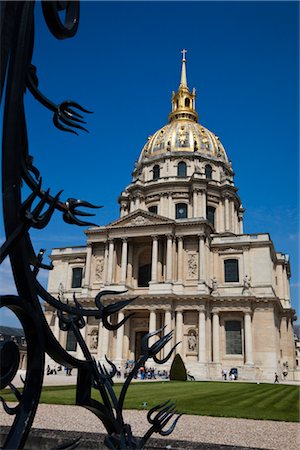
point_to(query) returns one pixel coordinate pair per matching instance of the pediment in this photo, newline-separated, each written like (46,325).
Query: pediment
(140,218)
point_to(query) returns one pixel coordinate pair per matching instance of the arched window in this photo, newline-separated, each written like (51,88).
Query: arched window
(187,102)
(231,270)
(181,211)
(144,275)
(233,334)
(153,209)
(156,172)
(76,277)
(210,214)
(208,171)
(181,169)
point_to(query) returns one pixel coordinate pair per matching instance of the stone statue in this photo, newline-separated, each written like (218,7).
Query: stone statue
(94,340)
(61,292)
(192,342)
(214,284)
(247,284)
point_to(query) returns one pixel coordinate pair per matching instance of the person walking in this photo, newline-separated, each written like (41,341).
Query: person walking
(276,378)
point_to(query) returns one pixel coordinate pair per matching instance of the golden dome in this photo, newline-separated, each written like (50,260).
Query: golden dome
(183,132)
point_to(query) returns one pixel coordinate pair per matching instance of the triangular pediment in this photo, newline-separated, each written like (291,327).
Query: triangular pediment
(140,218)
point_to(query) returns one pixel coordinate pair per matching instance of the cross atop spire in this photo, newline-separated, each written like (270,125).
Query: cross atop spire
(183,51)
(183,81)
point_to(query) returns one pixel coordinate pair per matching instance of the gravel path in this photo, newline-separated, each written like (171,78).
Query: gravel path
(240,432)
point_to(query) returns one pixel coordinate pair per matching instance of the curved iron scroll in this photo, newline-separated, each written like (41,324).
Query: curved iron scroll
(20,216)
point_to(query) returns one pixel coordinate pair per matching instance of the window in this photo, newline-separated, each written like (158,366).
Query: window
(210,214)
(156,172)
(187,102)
(76,277)
(231,268)
(233,337)
(181,169)
(144,275)
(181,211)
(71,341)
(153,209)
(208,172)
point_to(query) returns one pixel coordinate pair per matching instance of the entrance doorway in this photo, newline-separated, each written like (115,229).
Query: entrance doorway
(138,343)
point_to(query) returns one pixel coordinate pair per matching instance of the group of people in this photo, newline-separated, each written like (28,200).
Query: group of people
(55,369)
(231,375)
(144,373)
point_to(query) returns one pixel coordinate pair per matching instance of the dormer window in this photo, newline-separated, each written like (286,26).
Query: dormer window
(181,169)
(153,209)
(208,171)
(156,172)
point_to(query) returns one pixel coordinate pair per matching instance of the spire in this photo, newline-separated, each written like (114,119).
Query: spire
(183,81)
(183,101)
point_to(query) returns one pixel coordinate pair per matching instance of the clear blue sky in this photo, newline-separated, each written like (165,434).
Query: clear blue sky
(124,63)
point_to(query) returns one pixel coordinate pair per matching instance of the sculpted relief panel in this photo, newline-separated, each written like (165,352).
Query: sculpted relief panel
(99,268)
(192,265)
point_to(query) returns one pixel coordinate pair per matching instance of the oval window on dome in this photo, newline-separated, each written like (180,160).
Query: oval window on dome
(181,211)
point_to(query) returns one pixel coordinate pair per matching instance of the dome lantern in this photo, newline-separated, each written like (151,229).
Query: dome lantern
(183,101)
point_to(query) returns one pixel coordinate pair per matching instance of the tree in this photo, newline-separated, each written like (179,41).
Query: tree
(178,370)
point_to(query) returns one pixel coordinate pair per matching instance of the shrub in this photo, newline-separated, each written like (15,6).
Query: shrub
(178,370)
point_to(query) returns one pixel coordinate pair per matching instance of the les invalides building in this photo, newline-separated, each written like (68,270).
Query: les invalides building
(179,246)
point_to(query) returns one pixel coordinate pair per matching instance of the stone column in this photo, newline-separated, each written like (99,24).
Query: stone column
(100,340)
(284,279)
(216,337)
(221,217)
(204,204)
(152,325)
(202,259)
(124,261)
(137,202)
(105,263)
(231,213)
(110,261)
(170,207)
(83,331)
(88,265)
(168,326)
(201,337)
(120,336)
(169,258)
(248,338)
(56,329)
(195,204)
(161,205)
(154,259)
(159,261)
(180,259)
(226,214)
(241,227)
(179,331)
(130,262)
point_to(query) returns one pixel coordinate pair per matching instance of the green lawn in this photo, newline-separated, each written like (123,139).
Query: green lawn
(248,400)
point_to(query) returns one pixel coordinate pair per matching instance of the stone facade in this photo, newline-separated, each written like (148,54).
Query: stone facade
(179,246)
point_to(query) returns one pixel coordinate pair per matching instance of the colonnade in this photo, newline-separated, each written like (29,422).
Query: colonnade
(227,218)
(208,332)
(173,260)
